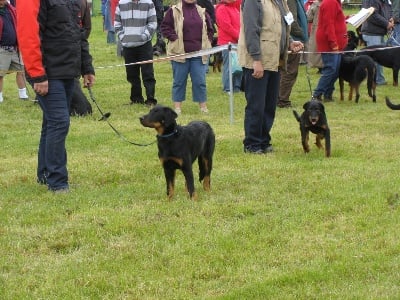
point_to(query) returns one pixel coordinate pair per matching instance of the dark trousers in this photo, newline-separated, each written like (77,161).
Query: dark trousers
(261,96)
(289,77)
(52,155)
(138,54)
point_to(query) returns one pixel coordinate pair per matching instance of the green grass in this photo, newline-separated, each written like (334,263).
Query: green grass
(281,226)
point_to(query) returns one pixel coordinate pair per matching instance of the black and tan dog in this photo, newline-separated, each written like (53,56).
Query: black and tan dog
(385,56)
(391,105)
(355,69)
(180,146)
(314,119)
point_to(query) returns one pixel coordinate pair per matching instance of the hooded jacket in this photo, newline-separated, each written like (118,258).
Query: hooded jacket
(51,40)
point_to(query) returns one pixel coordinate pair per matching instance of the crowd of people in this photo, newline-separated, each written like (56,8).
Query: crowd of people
(270,36)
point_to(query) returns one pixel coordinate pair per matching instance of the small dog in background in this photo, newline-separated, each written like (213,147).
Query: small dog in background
(180,146)
(314,119)
(216,58)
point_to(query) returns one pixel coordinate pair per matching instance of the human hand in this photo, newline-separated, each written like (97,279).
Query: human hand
(41,88)
(258,69)
(296,46)
(88,80)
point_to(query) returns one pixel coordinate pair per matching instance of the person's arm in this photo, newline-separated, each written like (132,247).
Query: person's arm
(168,27)
(252,23)
(29,40)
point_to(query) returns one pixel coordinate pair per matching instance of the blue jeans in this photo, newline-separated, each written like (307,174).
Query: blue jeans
(195,67)
(329,75)
(52,155)
(236,78)
(376,40)
(261,97)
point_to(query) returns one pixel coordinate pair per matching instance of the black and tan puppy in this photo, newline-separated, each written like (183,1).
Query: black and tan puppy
(314,119)
(180,146)
(391,105)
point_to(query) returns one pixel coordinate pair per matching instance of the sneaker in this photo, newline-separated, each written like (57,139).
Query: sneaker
(204,109)
(178,110)
(328,99)
(381,83)
(150,102)
(317,98)
(1,98)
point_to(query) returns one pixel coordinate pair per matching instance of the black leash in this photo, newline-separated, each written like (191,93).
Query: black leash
(105,116)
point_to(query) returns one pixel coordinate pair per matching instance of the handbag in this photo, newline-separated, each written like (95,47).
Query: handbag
(236,67)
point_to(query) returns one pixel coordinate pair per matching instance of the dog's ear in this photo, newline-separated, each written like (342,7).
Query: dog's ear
(169,116)
(305,106)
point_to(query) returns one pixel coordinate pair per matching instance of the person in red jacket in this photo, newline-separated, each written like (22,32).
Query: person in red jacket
(228,22)
(331,38)
(55,51)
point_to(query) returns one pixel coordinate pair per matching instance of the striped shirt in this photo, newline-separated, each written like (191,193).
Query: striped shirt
(135,22)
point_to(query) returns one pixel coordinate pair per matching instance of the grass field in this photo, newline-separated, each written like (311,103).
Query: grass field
(280,226)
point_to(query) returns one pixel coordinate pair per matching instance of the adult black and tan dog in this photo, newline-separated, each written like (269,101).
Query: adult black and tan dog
(314,119)
(355,69)
(385,56)
(180,146)
(391,105)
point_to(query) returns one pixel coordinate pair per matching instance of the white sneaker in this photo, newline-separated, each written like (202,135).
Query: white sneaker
(178,110)
(204,109)
(1,98)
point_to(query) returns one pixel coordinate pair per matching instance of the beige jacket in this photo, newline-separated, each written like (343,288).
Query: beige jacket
(270,37)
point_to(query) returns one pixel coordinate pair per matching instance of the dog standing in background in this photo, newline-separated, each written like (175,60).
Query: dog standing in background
(180,146)
(314,119)
(354,70)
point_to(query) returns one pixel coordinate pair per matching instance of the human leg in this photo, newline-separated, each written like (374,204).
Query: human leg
(254,125)
(145,52)
(52,155)
(372,40)
(329,74)
(198,76)
(288,79)
(180,72)
(133,75)
(5,62)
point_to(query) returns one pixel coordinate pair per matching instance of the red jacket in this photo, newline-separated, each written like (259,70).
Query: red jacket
(331,30)
(228,22)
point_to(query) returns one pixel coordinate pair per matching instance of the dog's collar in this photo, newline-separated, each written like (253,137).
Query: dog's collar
(167,135)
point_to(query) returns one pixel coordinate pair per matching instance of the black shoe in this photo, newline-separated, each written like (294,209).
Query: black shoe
(253,151)
(328,99)
(269,149)
(318,98)
(137,101)
(284,104)
(150,102)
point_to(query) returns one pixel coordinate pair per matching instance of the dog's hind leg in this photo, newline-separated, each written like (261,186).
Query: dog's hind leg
(205,166)
(357,88)
(341,85)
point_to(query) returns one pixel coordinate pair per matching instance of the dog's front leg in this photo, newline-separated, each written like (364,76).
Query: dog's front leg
(189,180)
(170,179)
(327,142)
(304,140)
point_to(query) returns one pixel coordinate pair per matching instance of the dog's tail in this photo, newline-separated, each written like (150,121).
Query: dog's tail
(391,105)
(296,115)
